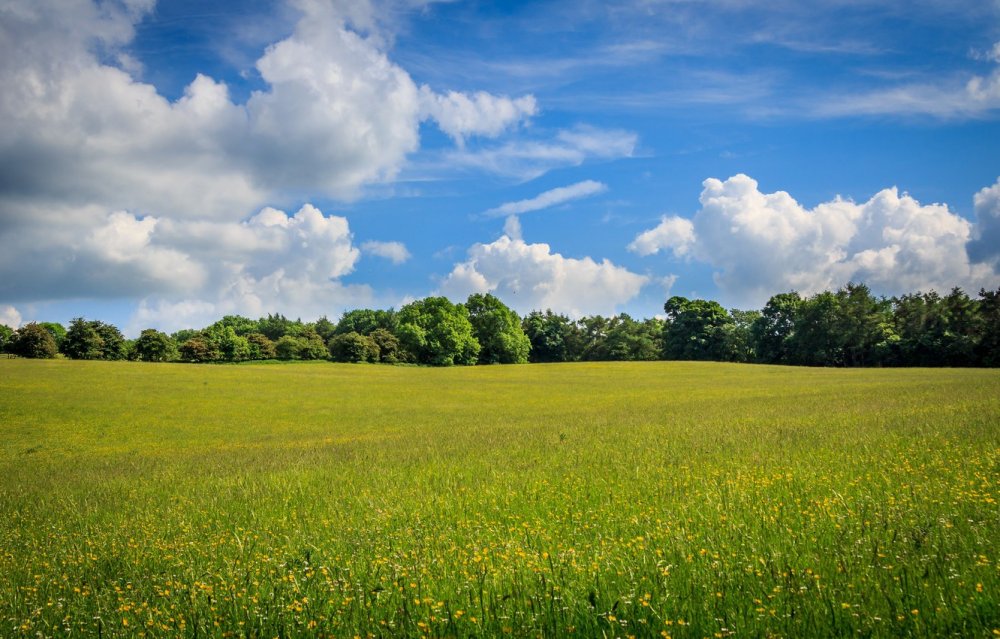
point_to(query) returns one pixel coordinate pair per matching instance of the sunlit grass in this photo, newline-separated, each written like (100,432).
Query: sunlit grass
(647,499)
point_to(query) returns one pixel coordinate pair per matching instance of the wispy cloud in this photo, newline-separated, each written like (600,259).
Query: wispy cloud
(550,198)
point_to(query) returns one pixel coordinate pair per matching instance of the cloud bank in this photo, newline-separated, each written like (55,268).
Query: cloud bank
(531,277)
(764,243)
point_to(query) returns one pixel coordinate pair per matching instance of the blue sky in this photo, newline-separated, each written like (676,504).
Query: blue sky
(166,163)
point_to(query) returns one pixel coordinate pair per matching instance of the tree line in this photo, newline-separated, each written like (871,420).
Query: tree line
(848,327)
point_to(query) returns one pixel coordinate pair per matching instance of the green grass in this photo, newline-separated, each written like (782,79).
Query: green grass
(691,500)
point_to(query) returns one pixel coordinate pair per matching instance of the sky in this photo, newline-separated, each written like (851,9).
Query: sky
(163,164)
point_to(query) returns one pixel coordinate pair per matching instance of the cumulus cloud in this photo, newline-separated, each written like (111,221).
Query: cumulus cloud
(764,243)
(461,115)
(672,233)
(110,190)
(273,262)
(985,246)
(531,276)
(552,197)
(395,252)
(9,316)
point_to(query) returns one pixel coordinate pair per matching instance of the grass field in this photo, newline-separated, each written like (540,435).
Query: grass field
(645,499)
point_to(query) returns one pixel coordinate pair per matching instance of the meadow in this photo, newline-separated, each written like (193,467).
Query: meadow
(650,499)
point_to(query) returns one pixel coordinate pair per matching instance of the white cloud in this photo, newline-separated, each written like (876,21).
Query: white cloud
(531,276)
(963,96)
(273,262)
(9,316)
(552,197)
(672,233)
(985,246)
(762,244)
(395,252)
(110,190)
(461,115)
(529,159)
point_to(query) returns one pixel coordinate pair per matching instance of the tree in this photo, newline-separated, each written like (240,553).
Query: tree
(365,321)
(438,332)
(353,347)
(737,336)
(260,346)
(113,343)
(553,338)
(695,330)
(771,332)
(83,341)
(242,326)
(277,326)
(389,349)
(33,341)
(288,347)
(57,330)
(498,330)
(988,344)
(6,337)
(311,345)
(154,346)
(232,347)
(199,349)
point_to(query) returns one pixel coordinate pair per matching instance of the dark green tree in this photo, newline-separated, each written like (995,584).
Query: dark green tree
(771,332)
(154,346)
(199,349)
(695,330)
(57,330)
(553,337)
(389,348)
(33,341)
(438,332)
(260,346)
(498,330)
(83,341)
(353,347)
(988,344)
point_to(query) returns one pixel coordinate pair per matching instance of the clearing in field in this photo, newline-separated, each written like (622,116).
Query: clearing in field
(647,499)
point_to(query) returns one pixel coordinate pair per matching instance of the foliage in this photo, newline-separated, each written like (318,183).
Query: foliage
(199,349)
(260,346)
(57,330)
(695,330)
(771,333)
(590,500)
(438,332)
(553,337)
(353,347)
(389,349)
(94,339)
(498,330)
(6,335)
(365,321)
(33,341)
(154,346)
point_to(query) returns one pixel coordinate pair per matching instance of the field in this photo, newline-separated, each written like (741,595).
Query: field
(645,499)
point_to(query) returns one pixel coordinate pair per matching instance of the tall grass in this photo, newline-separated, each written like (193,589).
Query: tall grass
(615,499)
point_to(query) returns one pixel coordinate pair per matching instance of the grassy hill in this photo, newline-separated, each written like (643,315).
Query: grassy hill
(643,499)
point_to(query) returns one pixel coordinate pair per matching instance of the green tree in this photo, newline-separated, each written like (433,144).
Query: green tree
(988,344)
(365,321)
(154,346)
(83,341)
(33,341)
(438,332)
(553,337)
(738,344)
(277,326)
(817,339)
(771,332)
(199,349)
(498,330)
(260,346)
(57,330)
(389,349)
(311,345)
(695,330)
(6,336)
(113,343)
(288,347)
(232,346)
(353,347)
